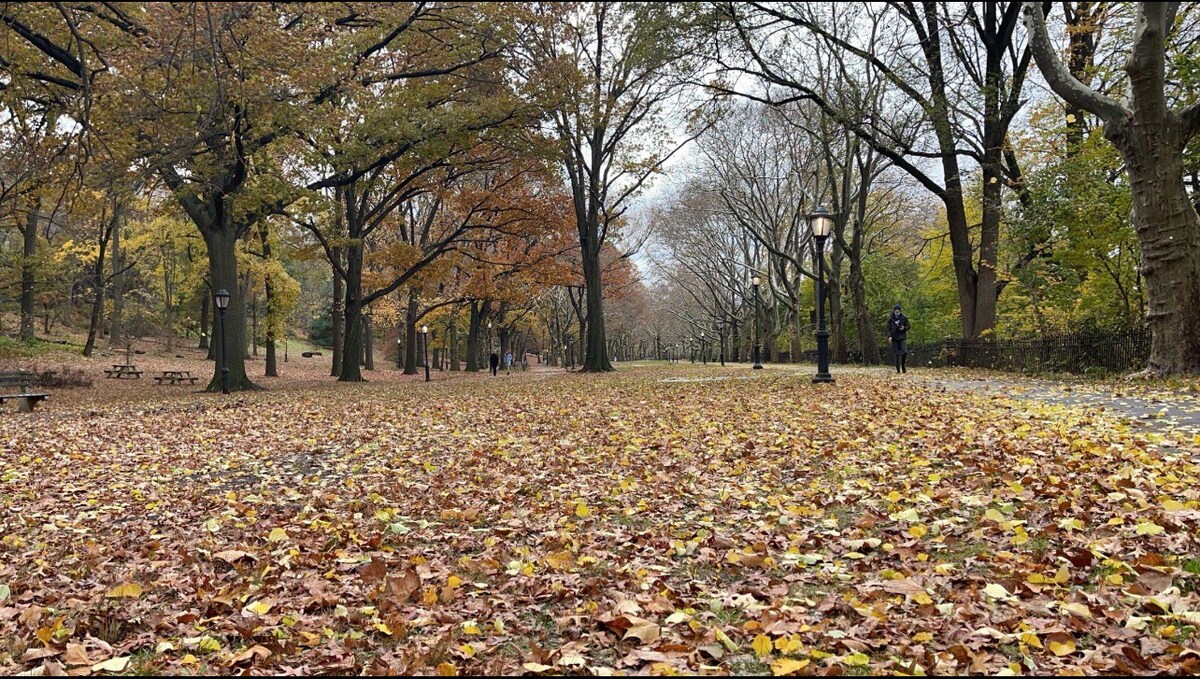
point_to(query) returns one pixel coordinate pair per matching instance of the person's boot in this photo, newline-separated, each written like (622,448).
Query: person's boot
(904,363)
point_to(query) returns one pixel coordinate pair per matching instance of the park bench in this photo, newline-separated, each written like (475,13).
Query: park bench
(118,371)
(176,377)
(20,379)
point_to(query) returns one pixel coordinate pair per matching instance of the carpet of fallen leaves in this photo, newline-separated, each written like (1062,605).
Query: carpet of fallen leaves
(618,524)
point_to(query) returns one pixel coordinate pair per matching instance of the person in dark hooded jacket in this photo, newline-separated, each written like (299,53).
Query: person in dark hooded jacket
(897,330)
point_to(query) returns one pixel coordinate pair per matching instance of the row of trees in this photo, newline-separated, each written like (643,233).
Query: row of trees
(873,109)
(467,156)
(477,161)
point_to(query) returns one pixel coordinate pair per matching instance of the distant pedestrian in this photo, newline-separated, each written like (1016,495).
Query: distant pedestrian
(508,359)
(898,335)
(494,362)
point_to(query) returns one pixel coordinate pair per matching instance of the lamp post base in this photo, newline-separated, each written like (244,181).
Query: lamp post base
(823,378)
(758,366)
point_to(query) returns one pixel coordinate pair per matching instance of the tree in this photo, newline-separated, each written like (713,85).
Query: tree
(606,71)
(1151,135)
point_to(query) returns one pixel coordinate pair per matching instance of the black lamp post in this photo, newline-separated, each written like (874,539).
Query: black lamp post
(754,282)
(704,348)
(821,222)
(425,349)
(222,301)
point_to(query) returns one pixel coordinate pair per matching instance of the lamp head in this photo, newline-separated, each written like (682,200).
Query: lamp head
(222,299)
(821,222)
(755,281)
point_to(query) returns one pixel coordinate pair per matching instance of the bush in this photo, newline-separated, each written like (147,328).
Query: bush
(62,377)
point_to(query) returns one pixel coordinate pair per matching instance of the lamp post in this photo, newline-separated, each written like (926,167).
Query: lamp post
(821,222)
(721,340)
(703,349)
(755,281)
(425,349)
(222,301)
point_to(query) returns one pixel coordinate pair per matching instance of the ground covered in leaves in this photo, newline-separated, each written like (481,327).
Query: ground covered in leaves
(635,523)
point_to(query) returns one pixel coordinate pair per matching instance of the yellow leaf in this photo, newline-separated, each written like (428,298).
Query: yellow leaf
(447,669)
(1173,506)
(724,639)
(918,531)
(382,627)
(471,628)
(129,590)
(209,644)
(582,510)
(923,637)
(454,581)
(1031,639)
(762,645)
(856,659)
(1148,528)
(786,666)
(922,598)
(994,514)
(1061,645)
(259,608)
(277,535)
(1062,576)
(468,650)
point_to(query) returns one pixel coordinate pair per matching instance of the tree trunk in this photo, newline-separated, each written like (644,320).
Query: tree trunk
(368,343)
(410,332)
(1168,231)
(272,361)
(596,348)
(862,315)
(352,344)
(222,267)
(205,325)
(27,274)
(454,367)
(473,352)
(337,320)
(97,302)
(118,289)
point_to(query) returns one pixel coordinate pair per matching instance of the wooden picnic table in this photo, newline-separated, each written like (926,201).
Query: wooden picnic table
(120,370)
(176,377)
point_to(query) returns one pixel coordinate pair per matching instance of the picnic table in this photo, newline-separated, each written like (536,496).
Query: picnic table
(118,371)
(176,377)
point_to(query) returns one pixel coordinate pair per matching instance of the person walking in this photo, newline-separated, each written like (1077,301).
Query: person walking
(897,329)
(494,362)
(508,359)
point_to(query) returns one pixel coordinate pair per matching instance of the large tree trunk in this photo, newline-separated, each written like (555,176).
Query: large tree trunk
(410,333)
(352,344)
(97,301)
(222,266)
(205,323)
(1168,231)
(595,358)
(118,289)
(29,235)
(862,316)
(272,361)
(337,320)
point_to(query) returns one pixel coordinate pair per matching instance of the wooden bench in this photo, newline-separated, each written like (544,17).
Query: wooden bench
(119,371)
(176,377)
(20,379)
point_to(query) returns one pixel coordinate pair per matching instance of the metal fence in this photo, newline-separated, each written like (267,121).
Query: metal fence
(1093,351)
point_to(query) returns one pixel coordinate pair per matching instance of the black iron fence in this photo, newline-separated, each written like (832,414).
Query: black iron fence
(1083,352)
(1093,351)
